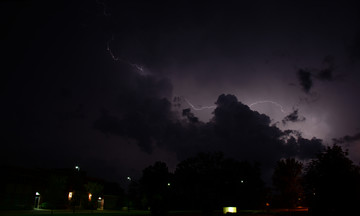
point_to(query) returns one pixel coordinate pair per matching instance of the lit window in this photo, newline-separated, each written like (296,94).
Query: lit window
(70,195)
(90,195)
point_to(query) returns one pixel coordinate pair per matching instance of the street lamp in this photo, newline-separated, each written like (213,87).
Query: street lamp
(37,200)
(101,202)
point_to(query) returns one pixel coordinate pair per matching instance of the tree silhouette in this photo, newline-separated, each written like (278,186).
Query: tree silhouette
(209,181)
(154,185)
(333,183)
(55,194)
(287,180)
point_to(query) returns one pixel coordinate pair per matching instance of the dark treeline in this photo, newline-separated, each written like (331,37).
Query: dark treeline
(329,184)
(207,181)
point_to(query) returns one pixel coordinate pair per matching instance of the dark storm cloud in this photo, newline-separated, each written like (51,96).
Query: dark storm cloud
(293,117)
(251,133)
(347,139)
(305,79)
(63,89)
(326,73)
(234,129)
(189,115)
(142,113)
(109,124)
(60,78)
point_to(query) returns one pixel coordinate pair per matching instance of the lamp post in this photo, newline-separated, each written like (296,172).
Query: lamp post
(128,197)
(37,200)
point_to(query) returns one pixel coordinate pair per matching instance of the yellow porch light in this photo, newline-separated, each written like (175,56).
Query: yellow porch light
(70,195)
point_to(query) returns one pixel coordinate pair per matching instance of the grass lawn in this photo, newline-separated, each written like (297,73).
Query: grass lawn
(142,213)
(77,213)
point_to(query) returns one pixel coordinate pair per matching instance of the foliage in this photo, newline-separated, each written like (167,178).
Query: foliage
(56,193)
(154,186)
(205,182)
(333,183)
(287,180)
(209,181)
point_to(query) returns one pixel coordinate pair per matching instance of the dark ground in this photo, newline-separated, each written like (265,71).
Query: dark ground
(144,213)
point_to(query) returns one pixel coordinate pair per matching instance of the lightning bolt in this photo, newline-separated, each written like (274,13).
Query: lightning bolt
(199,108)
(138,68)
(268,101)
(115,58)
(251,105)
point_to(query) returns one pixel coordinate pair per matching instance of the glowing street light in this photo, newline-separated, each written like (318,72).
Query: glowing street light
(77,168)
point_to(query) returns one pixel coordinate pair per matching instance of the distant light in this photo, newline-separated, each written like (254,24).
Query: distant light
(229,210)
(37,194)
(242,181)
(129,178)
(90,195)
(77,168)
(70,195)
(267,204)
(99,198)
(169,184)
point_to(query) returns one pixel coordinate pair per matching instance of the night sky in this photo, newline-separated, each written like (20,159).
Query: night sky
(113,86)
